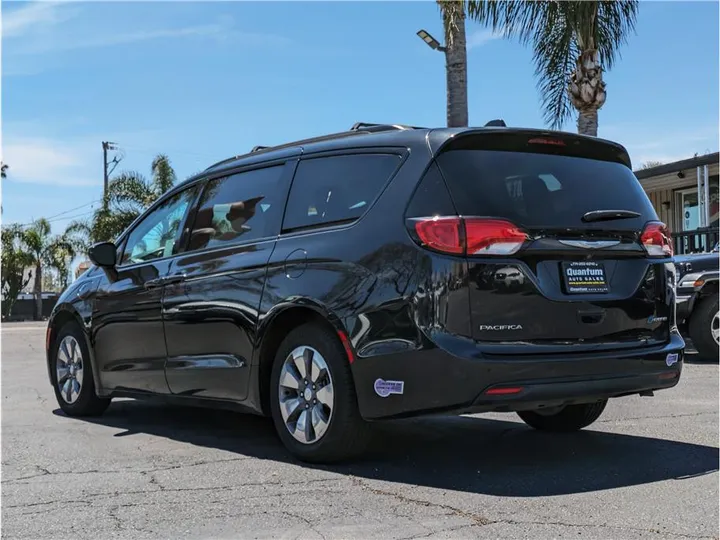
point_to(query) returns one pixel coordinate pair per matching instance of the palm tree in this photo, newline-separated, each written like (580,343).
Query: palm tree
(61,254)
(573,41)
(44,250)
(453,14)
(129,194)
(14,260)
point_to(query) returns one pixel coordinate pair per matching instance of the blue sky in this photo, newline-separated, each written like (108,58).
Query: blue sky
(201,81)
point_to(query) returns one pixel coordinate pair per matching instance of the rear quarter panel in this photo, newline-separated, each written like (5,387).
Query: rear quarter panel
(369,279)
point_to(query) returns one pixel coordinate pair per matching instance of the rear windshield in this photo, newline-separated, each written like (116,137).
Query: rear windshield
(542,190)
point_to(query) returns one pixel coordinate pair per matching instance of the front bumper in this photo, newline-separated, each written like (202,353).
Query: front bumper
(436,381)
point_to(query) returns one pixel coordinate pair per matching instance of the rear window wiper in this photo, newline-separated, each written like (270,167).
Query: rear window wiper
(608,215)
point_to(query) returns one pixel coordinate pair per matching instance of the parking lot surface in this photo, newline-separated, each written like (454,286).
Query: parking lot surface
(647,469)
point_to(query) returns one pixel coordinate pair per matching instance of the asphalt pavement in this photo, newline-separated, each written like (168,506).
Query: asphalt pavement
(647,469)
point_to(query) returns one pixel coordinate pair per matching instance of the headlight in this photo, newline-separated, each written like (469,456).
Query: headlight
(691,280)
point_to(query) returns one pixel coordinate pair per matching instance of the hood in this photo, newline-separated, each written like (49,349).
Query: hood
(697,257)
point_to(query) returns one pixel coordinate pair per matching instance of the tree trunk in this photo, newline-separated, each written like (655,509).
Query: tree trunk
(587,122)
(587,91)
(455,64)
(37,290)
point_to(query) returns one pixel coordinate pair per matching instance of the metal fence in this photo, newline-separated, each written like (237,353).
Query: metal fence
(24,309)
(697,241)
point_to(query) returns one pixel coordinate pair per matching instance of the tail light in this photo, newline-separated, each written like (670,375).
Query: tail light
(471,236)
(656,240)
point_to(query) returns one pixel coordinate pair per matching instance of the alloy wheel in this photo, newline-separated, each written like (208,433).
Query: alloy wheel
(715,328)
(69,369)
(306,394)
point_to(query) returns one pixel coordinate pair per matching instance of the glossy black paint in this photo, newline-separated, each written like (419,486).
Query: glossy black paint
(103,254)
(127,330)
(206,329)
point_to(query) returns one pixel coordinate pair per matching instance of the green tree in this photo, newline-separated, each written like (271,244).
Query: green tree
(573,42)
(44,250)
(14,261)
(129,194)
(650,164)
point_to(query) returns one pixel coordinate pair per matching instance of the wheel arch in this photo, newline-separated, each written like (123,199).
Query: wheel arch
(63,315)
(709,288)
(277,324)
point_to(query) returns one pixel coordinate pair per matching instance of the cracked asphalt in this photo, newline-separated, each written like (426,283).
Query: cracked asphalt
(647,469)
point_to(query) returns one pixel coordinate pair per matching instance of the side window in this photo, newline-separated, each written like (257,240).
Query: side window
(337,188)
(157,234)
(238,208)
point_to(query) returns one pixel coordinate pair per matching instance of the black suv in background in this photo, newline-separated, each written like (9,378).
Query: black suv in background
(697,299)
(383,272)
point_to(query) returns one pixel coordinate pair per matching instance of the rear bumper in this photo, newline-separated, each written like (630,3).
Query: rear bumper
(436,381)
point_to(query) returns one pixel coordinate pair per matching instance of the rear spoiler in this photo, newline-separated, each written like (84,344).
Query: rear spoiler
(532,141)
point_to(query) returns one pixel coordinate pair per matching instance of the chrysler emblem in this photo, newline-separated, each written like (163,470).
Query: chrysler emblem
(590,244)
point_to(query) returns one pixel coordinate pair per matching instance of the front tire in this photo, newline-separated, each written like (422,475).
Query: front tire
(72,374)
(704,327)
(312,398)
(569,418)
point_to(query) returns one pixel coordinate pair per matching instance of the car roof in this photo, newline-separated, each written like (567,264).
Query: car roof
(363,135)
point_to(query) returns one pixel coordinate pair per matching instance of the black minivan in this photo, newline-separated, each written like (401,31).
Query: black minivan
(383,272)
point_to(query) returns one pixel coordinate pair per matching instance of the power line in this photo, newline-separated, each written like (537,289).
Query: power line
(61,217)
(168,152)
(72,217)
(73,209)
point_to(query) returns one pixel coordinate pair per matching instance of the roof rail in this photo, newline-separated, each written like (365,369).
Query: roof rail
(357,129)
(496,123)
(370,128)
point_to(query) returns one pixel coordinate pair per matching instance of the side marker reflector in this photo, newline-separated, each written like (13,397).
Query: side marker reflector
(346,345)
(503,391)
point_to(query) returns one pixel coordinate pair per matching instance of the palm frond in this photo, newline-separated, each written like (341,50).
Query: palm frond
(130,188)
(452,11)
(78,227)
(108,225)
(615,22)
(554,57)
(163,175)
(36,237)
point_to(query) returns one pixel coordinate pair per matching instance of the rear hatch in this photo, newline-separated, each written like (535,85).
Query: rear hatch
(564,249)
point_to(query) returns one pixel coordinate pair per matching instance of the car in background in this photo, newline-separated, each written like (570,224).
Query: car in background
(697,299)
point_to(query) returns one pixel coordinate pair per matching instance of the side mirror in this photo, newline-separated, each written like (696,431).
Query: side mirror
(103,254)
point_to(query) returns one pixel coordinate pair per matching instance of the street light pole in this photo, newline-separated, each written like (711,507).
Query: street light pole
(107,146)
(455,71)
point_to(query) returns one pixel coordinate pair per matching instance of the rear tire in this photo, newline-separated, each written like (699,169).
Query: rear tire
(341,432)
(703,321)
(70,364)
(570,418)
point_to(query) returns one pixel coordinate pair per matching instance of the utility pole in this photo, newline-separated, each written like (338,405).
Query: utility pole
(106,174)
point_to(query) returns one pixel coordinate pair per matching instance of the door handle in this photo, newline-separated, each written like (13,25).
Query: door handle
(152,283)
(159,282)
(177,278)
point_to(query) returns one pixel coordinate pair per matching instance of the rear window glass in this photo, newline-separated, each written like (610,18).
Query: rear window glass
(542,190)
(336,189)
